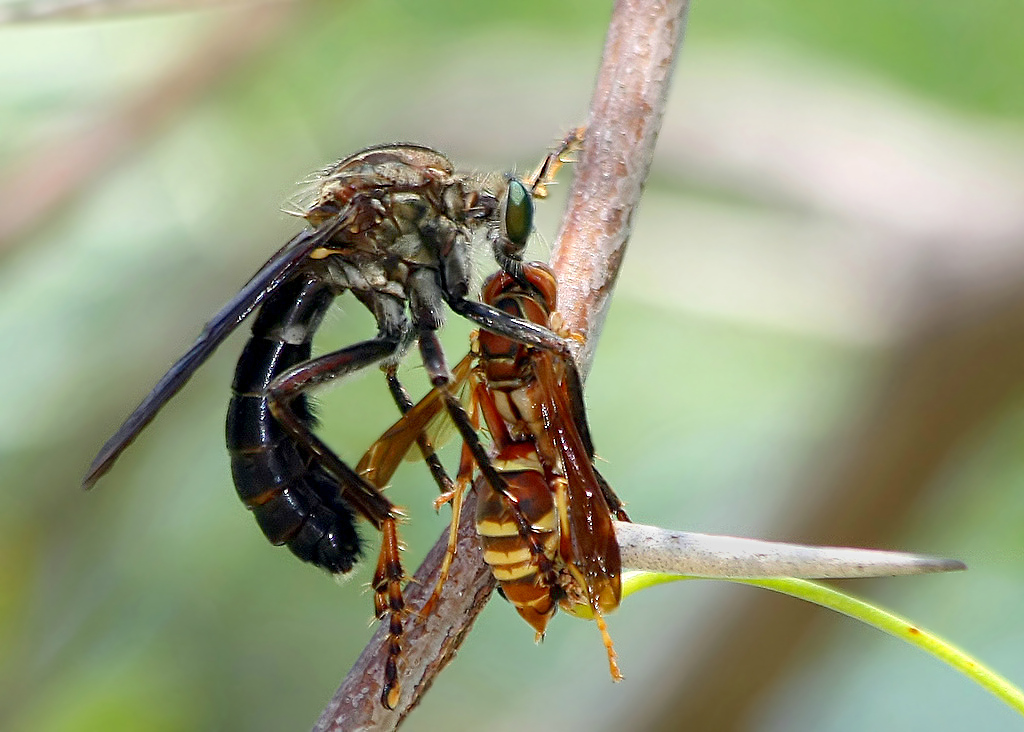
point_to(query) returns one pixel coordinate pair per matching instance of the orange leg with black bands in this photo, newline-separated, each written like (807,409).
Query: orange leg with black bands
(388,602)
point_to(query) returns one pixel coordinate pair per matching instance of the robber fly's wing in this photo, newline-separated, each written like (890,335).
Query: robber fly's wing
(278,268)
(428,417)
(595,550)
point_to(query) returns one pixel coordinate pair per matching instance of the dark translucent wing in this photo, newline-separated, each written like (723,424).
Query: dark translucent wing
(277,268)
(592,535)
(385,455)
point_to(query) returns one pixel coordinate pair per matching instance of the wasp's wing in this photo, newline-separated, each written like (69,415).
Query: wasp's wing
(595,550)
(280,266)
(440,430)
(428,416)
(573,389)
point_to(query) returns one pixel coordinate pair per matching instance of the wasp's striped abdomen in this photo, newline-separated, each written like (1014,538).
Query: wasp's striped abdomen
(509,555)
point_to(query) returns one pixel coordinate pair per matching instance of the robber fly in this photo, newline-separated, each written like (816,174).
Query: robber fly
(393,224)
(544,513)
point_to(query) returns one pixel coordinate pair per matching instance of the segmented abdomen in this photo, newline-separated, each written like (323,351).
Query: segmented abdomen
(293,500)
(508,553)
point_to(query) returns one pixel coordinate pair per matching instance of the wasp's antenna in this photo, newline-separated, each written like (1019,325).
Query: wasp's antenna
(549,167)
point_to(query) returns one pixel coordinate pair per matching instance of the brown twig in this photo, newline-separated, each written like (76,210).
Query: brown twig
(625,115)
(430,642)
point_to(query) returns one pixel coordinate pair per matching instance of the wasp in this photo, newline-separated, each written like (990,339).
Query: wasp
(544,512)
(392,224)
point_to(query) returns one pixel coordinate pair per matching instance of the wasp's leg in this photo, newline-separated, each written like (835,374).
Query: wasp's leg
(364,497)
(462,481)
(574,387)
(613,501)
(433,360)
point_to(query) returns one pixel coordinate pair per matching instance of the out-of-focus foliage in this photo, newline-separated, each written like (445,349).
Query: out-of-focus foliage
(732,354)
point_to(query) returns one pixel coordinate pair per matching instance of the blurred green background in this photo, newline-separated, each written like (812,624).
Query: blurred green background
(830,177)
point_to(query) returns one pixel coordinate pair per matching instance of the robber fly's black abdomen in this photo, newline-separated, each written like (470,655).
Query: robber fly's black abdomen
(293,500)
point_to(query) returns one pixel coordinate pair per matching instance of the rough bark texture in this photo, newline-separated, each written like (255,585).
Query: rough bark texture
(625,116)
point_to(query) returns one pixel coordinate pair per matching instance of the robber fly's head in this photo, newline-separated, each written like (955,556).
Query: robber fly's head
(506,205)
(512,216)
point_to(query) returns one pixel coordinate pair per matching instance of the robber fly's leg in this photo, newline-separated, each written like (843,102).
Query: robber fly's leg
(550,165)
(388,600)
(529,334)
(367,499)
(453,492)
(440,377)
(404,402)
(537,336)
(360,494)
(516,329)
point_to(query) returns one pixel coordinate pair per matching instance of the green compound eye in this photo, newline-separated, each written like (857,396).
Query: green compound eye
(518,213)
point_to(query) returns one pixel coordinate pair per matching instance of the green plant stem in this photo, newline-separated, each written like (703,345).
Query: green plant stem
(868,614)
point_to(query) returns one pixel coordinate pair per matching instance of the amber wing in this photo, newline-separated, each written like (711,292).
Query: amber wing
(594,548)
(429,416)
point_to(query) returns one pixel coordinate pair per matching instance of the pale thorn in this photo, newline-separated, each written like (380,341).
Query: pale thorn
(654,549)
